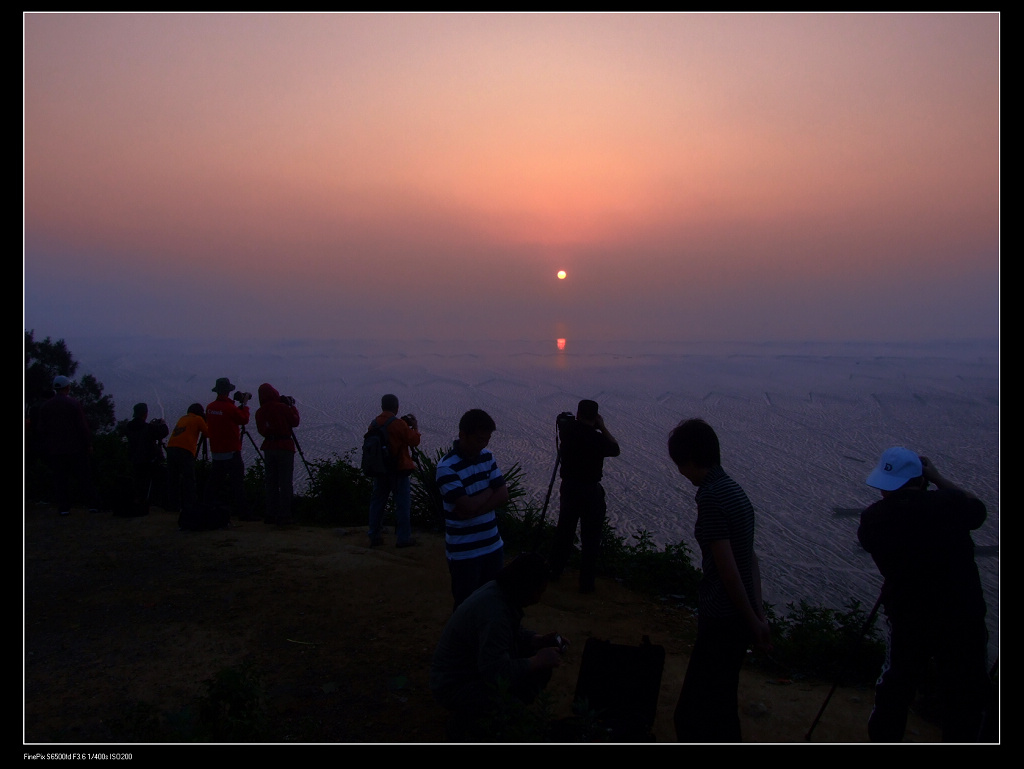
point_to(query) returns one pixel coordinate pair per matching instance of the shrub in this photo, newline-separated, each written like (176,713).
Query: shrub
(46,359)
(641,566)
(512,721)
(815,640)
(427,506)
(256,487)
(338,494)
(234,708)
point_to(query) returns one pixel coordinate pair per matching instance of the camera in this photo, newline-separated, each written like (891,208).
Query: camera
(287,400)
(409,419)
(242,397)
(563,419)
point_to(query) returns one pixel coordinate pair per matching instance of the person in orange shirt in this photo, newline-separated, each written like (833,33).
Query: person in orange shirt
(182,446)
(403,434)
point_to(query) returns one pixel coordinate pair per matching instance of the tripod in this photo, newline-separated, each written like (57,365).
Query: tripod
(863,630)
(253,442)
(554,474)
(302,456)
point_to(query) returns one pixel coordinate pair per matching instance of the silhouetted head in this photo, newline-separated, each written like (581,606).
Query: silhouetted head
(524,579)
(476,421)
(197,408)
(586,411)
(140,411)
(694,440)
(475,430)
(389,403)
(693,446)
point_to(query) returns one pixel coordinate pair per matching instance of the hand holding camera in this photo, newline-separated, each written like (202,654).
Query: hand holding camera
(550,650)
(552,640)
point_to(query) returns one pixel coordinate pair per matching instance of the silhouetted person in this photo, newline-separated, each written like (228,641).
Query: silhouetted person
(472,488)
(225,421)
(182,446)
(275,419)
(934,605)
(145,454)
(583,446)
(66,440)
(730,614)
(483,648)
(403,434)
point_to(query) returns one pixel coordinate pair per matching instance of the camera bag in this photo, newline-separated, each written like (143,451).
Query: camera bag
(377,461)
(618,687)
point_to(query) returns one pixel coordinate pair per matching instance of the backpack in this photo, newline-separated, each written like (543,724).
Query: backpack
(377,461)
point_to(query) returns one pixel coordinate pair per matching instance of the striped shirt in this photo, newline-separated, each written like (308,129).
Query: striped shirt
(458,477)
(723,512)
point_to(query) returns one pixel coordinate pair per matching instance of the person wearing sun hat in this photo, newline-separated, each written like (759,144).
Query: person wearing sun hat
(224,421)
(934,606)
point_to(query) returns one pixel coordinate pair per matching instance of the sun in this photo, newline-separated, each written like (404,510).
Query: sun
(561,274)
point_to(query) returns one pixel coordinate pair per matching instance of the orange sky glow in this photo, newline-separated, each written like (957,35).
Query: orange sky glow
(698,175)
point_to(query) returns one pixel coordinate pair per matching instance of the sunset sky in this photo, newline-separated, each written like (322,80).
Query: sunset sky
(698,177)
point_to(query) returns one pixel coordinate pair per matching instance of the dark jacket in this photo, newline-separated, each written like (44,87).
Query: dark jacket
(582,451)
(63,428)
(921,542)
(144,440)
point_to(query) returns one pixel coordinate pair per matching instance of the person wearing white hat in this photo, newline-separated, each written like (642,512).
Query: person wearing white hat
(934,606)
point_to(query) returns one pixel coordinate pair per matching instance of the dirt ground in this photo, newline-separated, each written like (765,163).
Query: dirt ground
(124,617)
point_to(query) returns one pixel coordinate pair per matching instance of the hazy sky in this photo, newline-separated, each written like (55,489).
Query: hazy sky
(741,177)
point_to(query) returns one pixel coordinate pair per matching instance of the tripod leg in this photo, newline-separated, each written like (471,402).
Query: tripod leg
(863,630)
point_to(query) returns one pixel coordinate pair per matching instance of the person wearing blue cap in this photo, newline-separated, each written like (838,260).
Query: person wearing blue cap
(934,606)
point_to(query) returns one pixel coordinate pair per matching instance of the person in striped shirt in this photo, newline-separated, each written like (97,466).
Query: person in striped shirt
(472,488)
(730,614)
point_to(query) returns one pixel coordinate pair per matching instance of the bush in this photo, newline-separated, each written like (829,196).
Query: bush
(642,566)
(338,494)
(639,565)
(427,505)
(256,487)
(513,721)
(234,708)
(526,528)
(46,359)
(815,640)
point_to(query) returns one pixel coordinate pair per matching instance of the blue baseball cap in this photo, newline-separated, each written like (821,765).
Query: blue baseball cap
(896,466)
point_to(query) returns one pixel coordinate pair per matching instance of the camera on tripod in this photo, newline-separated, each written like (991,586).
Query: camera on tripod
(563,419)
(242,397)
